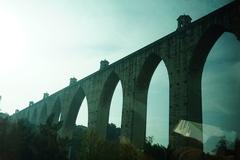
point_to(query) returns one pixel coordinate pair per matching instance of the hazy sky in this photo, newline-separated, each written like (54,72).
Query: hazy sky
(44,43)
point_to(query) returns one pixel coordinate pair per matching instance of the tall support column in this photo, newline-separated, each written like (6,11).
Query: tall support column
(101,122)
(177,110)
(140,115)
(134,116)
(127,114)
(92,116)
(185,102)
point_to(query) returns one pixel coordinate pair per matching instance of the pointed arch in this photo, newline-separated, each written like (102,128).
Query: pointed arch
(141,95)
(221,86)
(56,111)
(204,46)
(157,118)
(145,75)
(196,66)
(108,89)
(82,116)
(147,70)
(72,113)
(105,102)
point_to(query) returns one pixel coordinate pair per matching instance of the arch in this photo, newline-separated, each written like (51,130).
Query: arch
(105,102)
(108,89)
(157,119)
(43,114)
(71,116)
(141,95)
(147,70)
(82,116)
(220,78)
(115,110)
(196,66)
(56,111)
(204,46)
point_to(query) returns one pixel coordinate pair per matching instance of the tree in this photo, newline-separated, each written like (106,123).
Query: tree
(16,140)
(21,140)
(221,147)
(113,132)
(155,151)
(47,144)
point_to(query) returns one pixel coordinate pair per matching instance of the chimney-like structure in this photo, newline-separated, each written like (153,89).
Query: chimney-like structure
(16,110)
(104,64)
(45,95)
(183,21)
(31,103)
(73,80)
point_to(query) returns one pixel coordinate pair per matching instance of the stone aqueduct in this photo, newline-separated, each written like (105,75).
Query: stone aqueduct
(184,53)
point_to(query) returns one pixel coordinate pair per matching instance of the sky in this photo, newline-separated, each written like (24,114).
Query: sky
(45,43)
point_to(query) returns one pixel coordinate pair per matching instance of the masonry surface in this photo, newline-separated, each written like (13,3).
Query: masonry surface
(183,52)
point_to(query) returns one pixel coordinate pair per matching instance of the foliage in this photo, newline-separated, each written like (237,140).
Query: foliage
(113,133)
(47,143)
(92,147)
(22,141)
(222,147)
(129,152)
(155,151)
(15,140)
(237,149)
